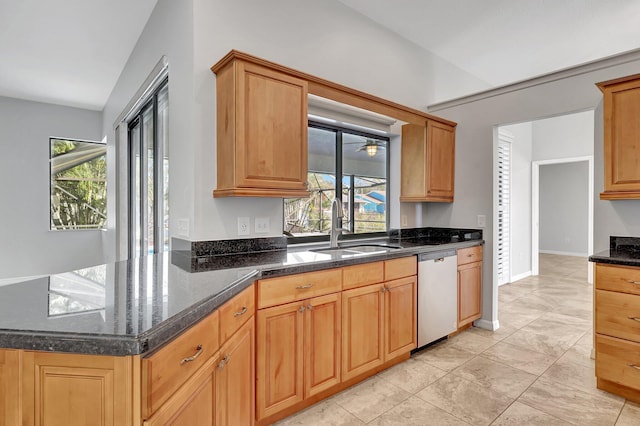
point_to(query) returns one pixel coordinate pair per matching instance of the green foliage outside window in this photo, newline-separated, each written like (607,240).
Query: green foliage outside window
(78,185)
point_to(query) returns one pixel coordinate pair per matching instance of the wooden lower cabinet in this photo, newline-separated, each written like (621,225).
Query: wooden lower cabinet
(400,312)
(362,330)
(192,404)
(69,389)
(298,350)
(235,379)
(9,387)
(379,324)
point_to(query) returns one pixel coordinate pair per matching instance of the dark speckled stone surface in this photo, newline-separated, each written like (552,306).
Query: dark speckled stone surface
(622,251)
(135,306)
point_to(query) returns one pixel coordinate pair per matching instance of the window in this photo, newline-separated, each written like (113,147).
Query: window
(78,172)
(149,175)
(355,165)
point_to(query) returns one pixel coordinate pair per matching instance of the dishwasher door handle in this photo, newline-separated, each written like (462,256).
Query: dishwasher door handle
(439,260)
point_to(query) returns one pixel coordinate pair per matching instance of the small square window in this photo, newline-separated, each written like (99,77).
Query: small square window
(78,172)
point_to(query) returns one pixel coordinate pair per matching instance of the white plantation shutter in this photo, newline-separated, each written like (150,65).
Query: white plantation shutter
(504,196)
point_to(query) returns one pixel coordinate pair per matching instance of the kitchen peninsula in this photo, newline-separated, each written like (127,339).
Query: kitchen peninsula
(140,339)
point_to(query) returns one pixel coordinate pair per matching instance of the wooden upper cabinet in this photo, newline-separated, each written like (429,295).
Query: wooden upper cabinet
(261,130)
(621,138)
(427,162)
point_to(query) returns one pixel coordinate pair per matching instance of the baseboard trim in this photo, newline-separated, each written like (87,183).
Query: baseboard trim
(520,276)
(487,325)
(564,253)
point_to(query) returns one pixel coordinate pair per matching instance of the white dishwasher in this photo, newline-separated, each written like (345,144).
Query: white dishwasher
(437,295)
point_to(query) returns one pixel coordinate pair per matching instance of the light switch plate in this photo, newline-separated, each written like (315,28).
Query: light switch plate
(244,223)
(482,220)
(262,225)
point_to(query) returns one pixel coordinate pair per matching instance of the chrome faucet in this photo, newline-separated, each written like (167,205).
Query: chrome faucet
(336,222)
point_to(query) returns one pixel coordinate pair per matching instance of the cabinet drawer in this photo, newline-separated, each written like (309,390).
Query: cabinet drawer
(469,255)
(625,279)
(164,371)
(276,291)
(235,312)
(618,361)
(364,274)
(618,315)
(398,268)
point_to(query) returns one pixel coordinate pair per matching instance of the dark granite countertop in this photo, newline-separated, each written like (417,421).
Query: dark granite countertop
(622,251)
(134,306)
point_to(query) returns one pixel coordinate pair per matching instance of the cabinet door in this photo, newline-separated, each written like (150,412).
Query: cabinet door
(400,303)
(322,343)
(191,404)
(621,134)
(235,379)
(69,389)
(441,153)
(362,330)
(469,293)
(279,371)
(271,150)
(9,387)
(413,163)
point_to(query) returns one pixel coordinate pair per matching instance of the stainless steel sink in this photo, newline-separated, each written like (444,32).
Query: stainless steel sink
(356,250)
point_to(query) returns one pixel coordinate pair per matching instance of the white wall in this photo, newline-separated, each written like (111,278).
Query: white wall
(326,39)
(27,246)
(520,226)
(564,204)
(564,92)
(565,136)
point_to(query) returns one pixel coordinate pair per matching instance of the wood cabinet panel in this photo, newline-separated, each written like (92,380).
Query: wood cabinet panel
(235,379)
(441,161)
(235,312)
(276,291)
(360,275)
(621,135)
(398,268)
(9,387)
(469,255)
(618,361)
(469,293)
(262,131)
(618,315)
(279,372)
(427,162)
(166,369)
(70,389)
(191,404)
(401,304)
(624,279)
(322,344)
(362,330)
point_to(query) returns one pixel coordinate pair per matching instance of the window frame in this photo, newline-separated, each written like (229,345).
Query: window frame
(339,130)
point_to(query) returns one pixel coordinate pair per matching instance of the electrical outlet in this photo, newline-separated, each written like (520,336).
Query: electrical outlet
(244,223)
(482,220)
(403,220)
(262,225)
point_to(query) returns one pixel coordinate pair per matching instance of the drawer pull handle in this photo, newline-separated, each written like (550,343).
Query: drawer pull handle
(634,366)
(635,318)
(240,312)
(633,282)
(469,255)
(193,357)
(303,287)
(224,361)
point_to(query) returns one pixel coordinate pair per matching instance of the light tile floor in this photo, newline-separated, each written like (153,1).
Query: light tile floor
(535,370)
